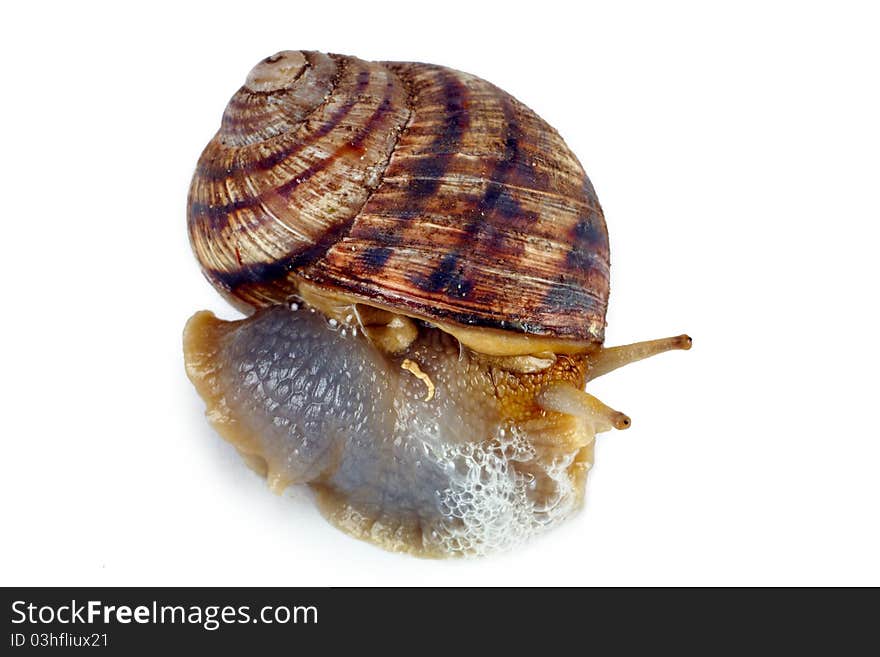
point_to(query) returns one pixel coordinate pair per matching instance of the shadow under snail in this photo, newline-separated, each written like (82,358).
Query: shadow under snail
(425,268)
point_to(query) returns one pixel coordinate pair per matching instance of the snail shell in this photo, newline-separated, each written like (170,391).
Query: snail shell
(411,187)
(447,260)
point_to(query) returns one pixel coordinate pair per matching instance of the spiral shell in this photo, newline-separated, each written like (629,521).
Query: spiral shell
(405,186)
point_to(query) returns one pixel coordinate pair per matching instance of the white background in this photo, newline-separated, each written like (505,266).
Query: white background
(736,153)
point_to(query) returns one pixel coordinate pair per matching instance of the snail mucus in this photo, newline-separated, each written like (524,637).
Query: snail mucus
(424,267)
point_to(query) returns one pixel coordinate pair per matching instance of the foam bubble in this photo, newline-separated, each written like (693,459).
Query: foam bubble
(489,504)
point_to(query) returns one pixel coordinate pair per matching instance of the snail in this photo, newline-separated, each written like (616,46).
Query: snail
(424,267)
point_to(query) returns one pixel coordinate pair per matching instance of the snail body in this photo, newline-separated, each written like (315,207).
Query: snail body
(448,261)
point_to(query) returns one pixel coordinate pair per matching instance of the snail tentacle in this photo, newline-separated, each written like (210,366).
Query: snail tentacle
(608,359)
(565,398)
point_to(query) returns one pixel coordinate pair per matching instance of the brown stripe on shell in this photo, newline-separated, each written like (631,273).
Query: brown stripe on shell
(454,275)
(424,189)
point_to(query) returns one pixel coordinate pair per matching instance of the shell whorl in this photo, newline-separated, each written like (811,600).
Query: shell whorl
(406,185)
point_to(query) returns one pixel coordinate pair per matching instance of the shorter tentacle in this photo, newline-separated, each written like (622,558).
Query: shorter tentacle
(565,398)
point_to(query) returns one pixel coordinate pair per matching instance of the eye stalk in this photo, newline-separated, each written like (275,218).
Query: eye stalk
(608,359)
